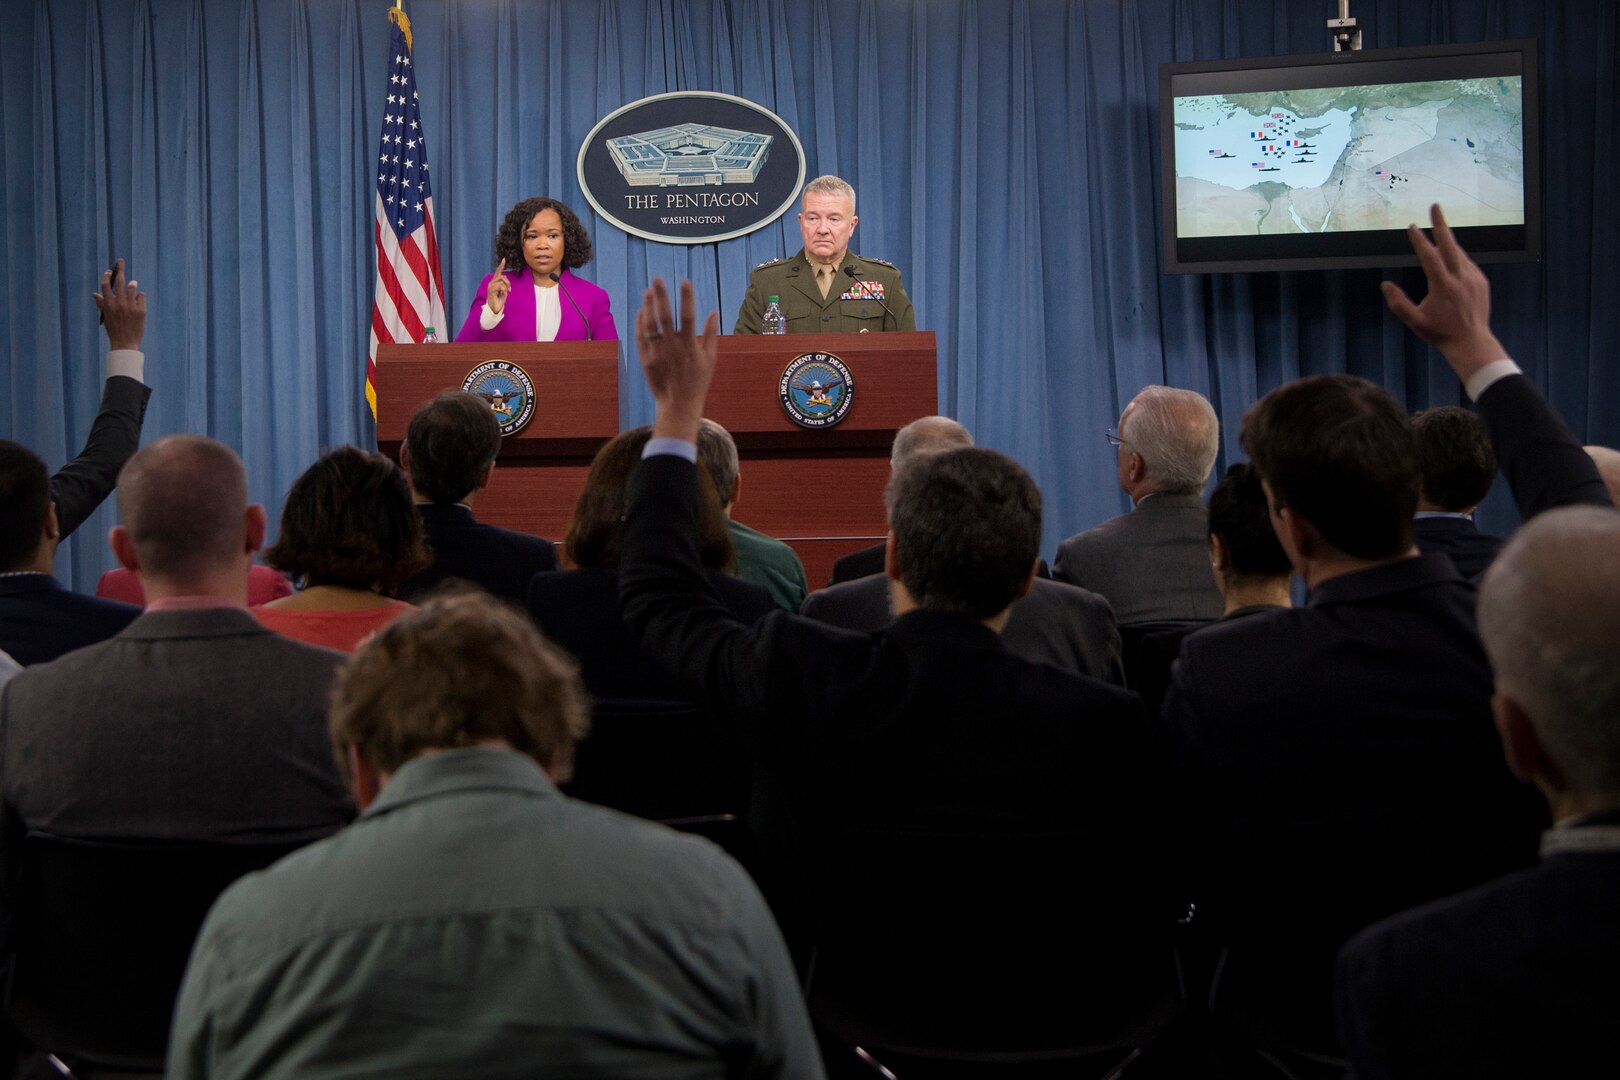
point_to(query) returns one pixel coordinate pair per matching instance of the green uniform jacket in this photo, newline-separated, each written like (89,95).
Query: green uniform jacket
(846,310)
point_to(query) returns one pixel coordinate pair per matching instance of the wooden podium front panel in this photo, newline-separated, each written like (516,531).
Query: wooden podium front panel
(894,383)
(576,389)
(820,490)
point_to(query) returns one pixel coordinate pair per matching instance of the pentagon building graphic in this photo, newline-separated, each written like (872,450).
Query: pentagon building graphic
(689,155)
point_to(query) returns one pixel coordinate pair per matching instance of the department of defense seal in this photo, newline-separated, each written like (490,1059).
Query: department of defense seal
(816,390)
(508,390)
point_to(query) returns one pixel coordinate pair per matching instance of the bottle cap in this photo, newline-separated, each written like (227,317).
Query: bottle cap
(775,299)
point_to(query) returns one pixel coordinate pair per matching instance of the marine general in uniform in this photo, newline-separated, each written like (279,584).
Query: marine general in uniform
(826,288)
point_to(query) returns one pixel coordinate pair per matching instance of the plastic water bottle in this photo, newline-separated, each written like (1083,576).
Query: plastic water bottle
(430,336)
(774,322)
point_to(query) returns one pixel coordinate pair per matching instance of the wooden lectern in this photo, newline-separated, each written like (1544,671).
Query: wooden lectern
(819,490)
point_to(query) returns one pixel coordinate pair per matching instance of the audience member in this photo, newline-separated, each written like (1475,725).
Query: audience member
(1456,467)
(1062,625)
(579,608)
(1152,564)
(8,667)
(1607,461)
(925,435)
(194,723)
(1338,727)
(1516,978)
(350,536)
(1251,571)
(449,451)
(475,922)
(1342,729)
(264,585)
(761,559)
(1251,568)
(930,725)
(875,725)
(39,619)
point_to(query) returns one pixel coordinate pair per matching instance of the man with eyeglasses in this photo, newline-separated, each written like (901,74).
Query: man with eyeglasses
(1152,564)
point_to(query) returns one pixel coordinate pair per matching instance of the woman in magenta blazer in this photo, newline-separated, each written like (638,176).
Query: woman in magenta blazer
(539,299)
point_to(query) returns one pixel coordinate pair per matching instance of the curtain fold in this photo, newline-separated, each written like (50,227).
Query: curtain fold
(1005,153)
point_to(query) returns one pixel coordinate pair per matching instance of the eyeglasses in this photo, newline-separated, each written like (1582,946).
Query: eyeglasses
(1113,439)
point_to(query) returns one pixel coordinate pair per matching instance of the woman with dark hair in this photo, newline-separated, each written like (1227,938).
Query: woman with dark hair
(579,608)
(533,294)
(1251,569)
(350,537)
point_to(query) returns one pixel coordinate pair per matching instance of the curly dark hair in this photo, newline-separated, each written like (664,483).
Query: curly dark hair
(348,520)
(509,238)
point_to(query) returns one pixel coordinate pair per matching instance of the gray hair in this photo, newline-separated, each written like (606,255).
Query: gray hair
(717,456)
(1177,435)
(1549,614)
(830,185)
(927,435)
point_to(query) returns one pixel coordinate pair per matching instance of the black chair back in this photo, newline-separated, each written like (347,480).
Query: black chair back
(998,948)
(103,934)
(1148,650)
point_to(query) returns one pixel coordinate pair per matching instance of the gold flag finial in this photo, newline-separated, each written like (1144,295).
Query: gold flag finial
(396,14)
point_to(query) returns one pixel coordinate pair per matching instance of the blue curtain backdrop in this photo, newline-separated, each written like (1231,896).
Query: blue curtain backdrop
(1005,152)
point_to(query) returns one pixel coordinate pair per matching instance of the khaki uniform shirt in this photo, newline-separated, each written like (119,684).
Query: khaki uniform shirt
(849,307)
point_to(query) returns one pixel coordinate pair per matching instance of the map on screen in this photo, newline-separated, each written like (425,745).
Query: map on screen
(1350,158)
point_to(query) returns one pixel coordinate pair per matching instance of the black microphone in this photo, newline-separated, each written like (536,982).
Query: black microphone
(870,295)
(558,279)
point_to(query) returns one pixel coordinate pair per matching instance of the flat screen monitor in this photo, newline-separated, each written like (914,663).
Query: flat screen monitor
(1321,161)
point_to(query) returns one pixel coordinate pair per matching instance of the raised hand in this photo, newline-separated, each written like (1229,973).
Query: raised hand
(123,310)
(678,364)
(498,288)
(1455,316)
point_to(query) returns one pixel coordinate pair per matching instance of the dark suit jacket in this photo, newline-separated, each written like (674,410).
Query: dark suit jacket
(1314,745)
(868,561)
(40,620)
(1151,564)
(81,485)
(1544,463)
(1053,624)
(497,559)
(930,723)
(579,610)
(1512,979)
(188,725)
(1469,550)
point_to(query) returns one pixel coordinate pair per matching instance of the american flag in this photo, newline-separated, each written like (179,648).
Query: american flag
(410,286)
